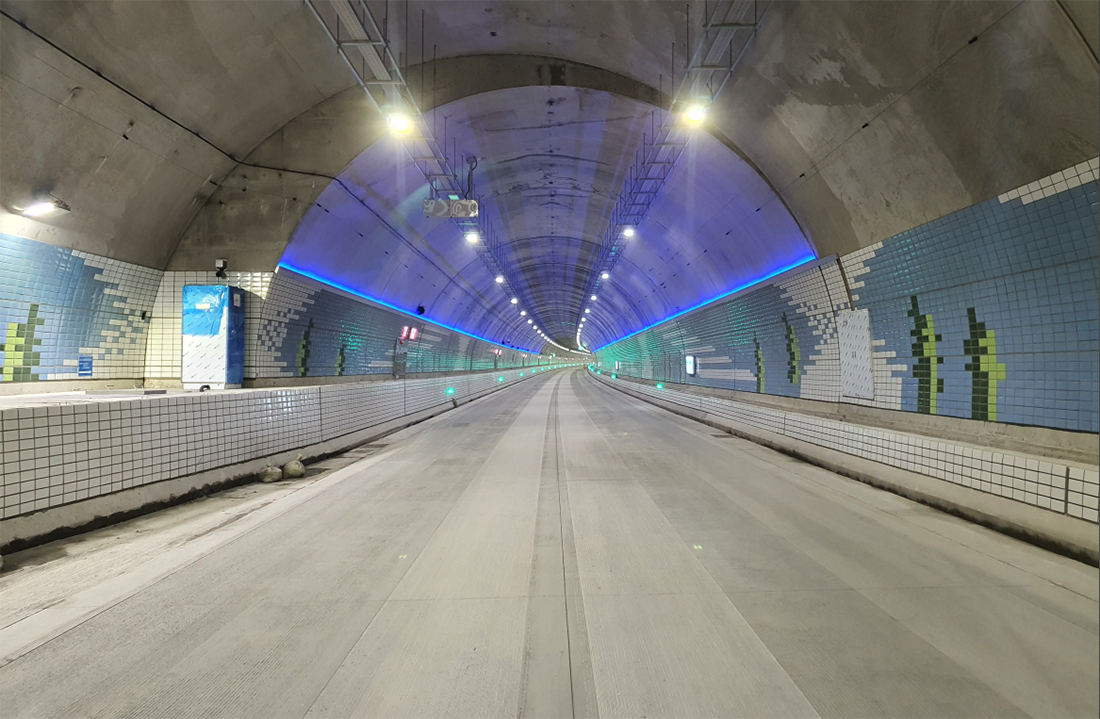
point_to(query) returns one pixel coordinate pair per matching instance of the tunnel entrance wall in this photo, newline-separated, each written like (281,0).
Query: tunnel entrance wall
(76,321)
(989,313)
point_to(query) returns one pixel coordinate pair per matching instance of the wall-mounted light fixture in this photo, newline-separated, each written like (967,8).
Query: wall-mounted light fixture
(45,206)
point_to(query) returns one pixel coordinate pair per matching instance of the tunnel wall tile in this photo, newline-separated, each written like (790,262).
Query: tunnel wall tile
(58,305)
(308,331)
(1008,289)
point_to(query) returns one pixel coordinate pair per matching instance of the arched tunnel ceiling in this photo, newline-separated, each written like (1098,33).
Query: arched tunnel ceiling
(869,118)
(550,162)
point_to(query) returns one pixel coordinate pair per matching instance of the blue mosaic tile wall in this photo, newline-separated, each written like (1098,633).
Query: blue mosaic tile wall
(990,313)
(309,331)
(777,339)
(59,305)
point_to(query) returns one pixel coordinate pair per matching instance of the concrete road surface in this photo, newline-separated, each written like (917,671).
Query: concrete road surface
(556,549)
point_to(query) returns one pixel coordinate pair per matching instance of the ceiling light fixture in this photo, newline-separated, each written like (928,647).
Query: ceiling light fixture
(523,313)
(628,232)
(472,237)
(586,311)
(500,279)
(696,111)
(515,301)
(604,276)
(593,297)
(399,122)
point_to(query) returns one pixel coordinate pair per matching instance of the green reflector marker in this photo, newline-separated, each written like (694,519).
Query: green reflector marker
(520,374)
(500,379)
(660,386)
(450,390)
(614,376)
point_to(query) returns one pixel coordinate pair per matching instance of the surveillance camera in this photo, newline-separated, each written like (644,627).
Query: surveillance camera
(221,266)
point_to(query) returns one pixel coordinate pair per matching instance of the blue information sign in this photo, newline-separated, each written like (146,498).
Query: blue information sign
(84,366)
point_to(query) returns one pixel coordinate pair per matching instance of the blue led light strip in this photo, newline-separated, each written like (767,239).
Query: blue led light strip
(375,300)
(724,295)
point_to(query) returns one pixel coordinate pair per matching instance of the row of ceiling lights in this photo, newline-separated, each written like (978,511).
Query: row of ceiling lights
(693,114)
(628,232)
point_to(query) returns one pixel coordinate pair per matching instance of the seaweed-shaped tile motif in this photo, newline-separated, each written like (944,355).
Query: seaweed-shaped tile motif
(18,348)
(983,366)
(926,369)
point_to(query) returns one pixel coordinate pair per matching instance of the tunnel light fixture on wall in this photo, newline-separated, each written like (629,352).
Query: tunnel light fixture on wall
(523,313)
(500,279)
(628,232)
(472,237)
(586,310)
(46,206)
(593,298)
(605,275)
(515,301)
(530,321)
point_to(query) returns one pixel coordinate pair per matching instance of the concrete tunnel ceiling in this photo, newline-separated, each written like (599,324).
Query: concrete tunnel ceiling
(550,162)
(868,119)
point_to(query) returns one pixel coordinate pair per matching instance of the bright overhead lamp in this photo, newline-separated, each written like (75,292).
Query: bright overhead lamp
(628,232)
(45,207)
(399,122)
(530,321)
(586,311)
(593,297)
(472,237)
(604,276)
(696,112)
(500,279)
(523,313)
(515,301)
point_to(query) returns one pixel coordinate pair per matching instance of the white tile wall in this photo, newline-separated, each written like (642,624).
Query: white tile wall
(1088,171)
(65,450)
(1063,487)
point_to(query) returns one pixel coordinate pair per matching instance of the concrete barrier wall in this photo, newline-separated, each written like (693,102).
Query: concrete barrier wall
(1067,488)
(71,448)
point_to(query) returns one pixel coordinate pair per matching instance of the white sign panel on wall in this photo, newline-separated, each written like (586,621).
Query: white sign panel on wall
(689,365)
(857,377)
